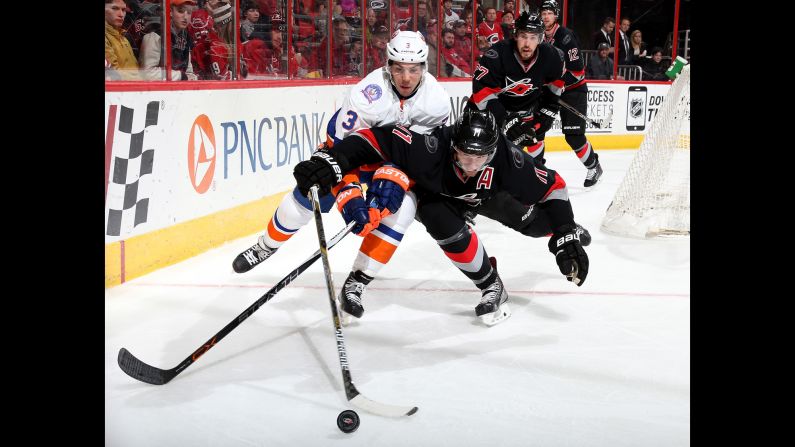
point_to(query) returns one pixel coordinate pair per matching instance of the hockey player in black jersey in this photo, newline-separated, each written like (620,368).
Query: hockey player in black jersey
(519,80)
(575,91)
(452,170)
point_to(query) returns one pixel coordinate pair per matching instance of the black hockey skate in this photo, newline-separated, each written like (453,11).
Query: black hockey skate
(593,175)
(350,297)
(253,256)
(493,306)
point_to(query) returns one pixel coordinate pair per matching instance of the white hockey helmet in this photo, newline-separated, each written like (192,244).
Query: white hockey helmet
(407,46)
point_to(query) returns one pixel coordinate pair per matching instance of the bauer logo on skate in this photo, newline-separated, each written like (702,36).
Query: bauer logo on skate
(201,154)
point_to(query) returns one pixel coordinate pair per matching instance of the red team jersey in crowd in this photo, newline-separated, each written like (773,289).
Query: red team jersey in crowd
(493,33)
(210,56)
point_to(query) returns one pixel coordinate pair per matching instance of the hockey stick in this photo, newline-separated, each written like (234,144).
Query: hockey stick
(139,370)
(602,123)
(351,393)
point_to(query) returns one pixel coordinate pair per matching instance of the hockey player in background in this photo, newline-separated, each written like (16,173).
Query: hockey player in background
(402,92)
(575,91)
(454,169)
(519,80)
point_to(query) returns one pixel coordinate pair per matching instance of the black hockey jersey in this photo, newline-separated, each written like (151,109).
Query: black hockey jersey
(565,40)
(428,161)
(500,75)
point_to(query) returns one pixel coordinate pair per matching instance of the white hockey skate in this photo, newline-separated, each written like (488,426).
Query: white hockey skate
(493,307)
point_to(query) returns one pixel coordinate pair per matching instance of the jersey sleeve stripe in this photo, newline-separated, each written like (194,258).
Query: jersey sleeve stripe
(484,95)
(368,136)
(557,190)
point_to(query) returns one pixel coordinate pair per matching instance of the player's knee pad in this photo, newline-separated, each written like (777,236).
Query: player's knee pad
(458,242)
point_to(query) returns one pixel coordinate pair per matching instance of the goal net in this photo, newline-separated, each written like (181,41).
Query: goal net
(653,200)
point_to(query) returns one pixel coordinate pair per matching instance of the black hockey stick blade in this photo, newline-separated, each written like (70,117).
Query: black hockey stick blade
(139,370)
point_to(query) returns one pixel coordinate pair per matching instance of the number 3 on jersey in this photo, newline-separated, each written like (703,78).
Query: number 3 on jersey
(352,117)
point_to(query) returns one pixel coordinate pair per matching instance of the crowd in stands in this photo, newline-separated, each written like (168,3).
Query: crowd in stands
(212,40)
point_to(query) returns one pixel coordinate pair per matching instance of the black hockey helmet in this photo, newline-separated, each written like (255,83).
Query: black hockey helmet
(476,133)
(528,22)
(550,5)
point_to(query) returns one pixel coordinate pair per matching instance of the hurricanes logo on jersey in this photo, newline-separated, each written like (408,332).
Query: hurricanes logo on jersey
(521,87)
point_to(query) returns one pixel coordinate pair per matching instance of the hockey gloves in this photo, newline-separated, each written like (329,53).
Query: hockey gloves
(387,189)
(350,202)
(519,128)
(569,254)
(321,169)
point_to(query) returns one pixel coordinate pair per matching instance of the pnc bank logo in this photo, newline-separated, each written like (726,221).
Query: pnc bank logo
(201,154)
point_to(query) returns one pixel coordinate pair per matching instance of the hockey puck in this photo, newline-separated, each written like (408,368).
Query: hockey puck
(348,421)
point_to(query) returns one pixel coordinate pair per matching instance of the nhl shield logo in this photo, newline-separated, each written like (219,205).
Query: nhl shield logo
(635,108)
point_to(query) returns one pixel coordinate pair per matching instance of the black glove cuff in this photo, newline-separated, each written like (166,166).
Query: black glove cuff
(565,235)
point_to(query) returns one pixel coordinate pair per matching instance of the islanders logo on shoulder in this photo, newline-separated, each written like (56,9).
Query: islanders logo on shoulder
(372,92)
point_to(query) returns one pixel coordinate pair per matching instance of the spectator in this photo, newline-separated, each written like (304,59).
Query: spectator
(402,15)
(321,19)
(624,57)
(508,7)
(340,61)
(468,19)
(222,16)
(654,69)
(266,8)
(433,46)
(507,23)
(119,57)
(455,65)
(489,29)
(349,8)
(210,56)
(463,44)
(355,55)
(424,15)
(143,12)
(601,67)
(304,29)
(449,16)
(605,34)
(280,64)
(248,26)
(151,57)
(376,52)
(637,48)
(371,24)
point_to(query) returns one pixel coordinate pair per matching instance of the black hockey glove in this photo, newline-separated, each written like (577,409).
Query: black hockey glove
(388,188)
(519,128)
(321,169)
(569,254)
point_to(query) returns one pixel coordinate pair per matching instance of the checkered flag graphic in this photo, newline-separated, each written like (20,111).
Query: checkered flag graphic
(127,172)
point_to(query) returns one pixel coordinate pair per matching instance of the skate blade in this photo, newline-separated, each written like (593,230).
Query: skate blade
(497,317)
(345,317)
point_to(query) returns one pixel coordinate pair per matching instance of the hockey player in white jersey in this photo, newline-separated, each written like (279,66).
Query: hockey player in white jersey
(401,93)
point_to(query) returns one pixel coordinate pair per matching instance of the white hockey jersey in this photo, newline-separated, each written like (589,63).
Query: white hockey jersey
(372,102)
